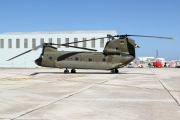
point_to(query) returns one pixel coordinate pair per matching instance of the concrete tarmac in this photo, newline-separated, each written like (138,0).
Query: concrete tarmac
(49,94)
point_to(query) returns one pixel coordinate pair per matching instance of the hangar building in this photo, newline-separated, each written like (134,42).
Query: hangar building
(14,43)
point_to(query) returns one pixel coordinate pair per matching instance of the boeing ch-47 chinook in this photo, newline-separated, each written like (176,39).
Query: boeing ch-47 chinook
(117,53)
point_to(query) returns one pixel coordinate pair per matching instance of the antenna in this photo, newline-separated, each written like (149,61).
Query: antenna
(156,53)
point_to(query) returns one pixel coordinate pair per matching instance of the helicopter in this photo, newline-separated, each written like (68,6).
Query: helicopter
(118,52)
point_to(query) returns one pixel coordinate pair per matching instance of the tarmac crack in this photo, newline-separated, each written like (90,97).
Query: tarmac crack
(115,85)
(70,95)
(169,91)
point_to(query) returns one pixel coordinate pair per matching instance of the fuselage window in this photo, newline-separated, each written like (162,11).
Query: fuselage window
(69,58)
(104,59)
(76,59)
(50,58)
(90,59)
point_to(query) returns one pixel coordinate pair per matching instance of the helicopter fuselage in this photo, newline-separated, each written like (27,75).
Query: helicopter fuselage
(83,60)
(116,54)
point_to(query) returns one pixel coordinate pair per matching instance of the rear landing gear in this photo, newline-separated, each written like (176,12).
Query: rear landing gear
(66,71)
(113,71)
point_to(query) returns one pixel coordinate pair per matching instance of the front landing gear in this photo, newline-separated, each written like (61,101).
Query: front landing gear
(73,71)
(113,71)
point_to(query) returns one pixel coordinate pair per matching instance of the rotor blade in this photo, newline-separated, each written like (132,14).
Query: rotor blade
(39,46)
(20,54)
(76,47)
(150,36)
(83,40)
(36,48)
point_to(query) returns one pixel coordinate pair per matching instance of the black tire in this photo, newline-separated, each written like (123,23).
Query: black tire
(73,71)
(116,71)
(112,71)
(66,71)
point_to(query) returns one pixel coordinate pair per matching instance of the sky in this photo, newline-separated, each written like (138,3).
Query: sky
(136,17)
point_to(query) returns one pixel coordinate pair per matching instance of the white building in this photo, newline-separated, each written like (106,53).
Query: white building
(12,44)
(146,59)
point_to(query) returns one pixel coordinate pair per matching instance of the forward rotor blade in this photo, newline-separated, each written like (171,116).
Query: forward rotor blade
(151,36)
(39,46)
(21,54)
(34,49)
(76,47)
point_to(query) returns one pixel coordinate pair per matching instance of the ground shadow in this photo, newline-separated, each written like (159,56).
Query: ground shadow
(36,73)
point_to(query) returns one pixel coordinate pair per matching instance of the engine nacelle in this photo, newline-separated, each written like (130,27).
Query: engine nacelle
(111,51)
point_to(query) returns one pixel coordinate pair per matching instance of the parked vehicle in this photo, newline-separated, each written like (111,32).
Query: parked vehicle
(157,64)
(177,64)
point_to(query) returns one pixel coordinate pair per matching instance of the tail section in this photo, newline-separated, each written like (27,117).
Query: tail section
(122,45)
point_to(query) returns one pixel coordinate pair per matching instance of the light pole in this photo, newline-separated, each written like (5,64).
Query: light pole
(25,62)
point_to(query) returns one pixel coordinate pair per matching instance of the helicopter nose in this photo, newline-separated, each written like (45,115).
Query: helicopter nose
(38,61)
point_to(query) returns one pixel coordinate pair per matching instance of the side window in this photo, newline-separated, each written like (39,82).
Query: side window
(84,43)
(17,43)
(41,41)
(58,42)
(50,40)
(2,43)
(67,41)
(9,43)
(76,40)
(101,43)
(93,43)
(25,43)
(33,43)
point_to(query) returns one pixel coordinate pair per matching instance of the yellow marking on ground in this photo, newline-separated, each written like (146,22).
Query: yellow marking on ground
(71,76)
(14,79)
(35,78)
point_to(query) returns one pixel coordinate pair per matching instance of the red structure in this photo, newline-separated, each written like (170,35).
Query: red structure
(157,64)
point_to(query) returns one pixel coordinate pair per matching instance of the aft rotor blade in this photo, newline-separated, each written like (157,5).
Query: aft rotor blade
(84,40)
(76,47)
(21,54)
(151,36)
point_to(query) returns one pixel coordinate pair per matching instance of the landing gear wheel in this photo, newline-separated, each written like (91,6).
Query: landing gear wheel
(66,71)
(114,71)
(73,71)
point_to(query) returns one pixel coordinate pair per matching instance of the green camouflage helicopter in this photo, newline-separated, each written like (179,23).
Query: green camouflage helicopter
(118,52)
